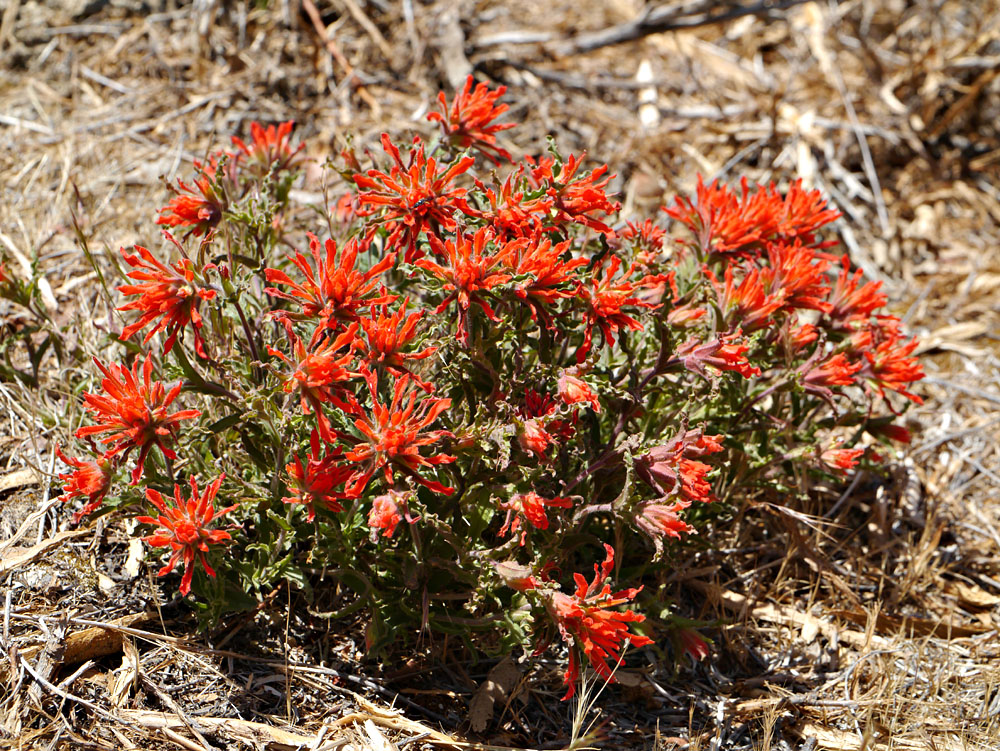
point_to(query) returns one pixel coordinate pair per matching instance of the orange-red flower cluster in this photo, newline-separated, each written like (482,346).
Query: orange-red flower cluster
(393,436)
(168,293)
(469,121)
(586,621)
(134,412)
(336,291)
(413,196)
(184,528)
(727,224)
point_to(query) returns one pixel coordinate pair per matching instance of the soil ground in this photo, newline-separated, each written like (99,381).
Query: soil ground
(875,628)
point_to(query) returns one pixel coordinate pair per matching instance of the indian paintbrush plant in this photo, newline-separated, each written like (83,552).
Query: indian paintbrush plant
(469,381)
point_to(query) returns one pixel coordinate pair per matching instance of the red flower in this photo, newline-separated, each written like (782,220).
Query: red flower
(199,207)
(394,435)
(844,459)
(550,278)
(581,200)
(183,527)
(471,271)
(646,240)
(388,335)
(848,302)
(585,621)
(724,353)
(91,480)
(316,482)
(723,223)
(693,644)
(320,375)
(684,316)
(134,412)
(747,305)
(387,512)
(269,146)
(168,293)
(891,367)
(797,275)
(800,336)
(659,520)
(335,292)
(605,299)
(530,506)
(414,195)
(836,370)
(511,214)
(672,467)
(467,123)
(534,438)
(572,390)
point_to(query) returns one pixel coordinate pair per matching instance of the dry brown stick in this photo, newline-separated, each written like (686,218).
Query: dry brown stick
(336,54)
(175,707)
(664,18)
(372,30)
(66,694)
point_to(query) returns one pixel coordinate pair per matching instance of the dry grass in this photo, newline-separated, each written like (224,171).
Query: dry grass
(872,627)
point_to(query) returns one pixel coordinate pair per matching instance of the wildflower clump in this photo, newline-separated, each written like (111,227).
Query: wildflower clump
(477,377)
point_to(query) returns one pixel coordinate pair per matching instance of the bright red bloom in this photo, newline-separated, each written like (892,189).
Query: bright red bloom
(387,336)
(671,468)
(693,644)
(336,290)
(660,520)
(586,621)
(572,390)
(646,240)
(169,293)
(394,435)
(320,375)
(685,315)
(605,297)
(470,272)
(798,275)
(536,434)
(467,123)
(836,370)
(511,214)
(134,412)
(747,305)
(414,195)
(199,207)
(725,223)
(725,353)
(387,512)
(581,200)
(550,278)
(891,367)
(269,146)
(844,459)
(316,482)
(183,527)
(801,336)
(534,438)
(530,506)
(91,480)
(848,302)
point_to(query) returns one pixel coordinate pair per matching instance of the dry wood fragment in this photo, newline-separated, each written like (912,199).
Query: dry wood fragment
(496,688)
(15,557)
(255,734)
